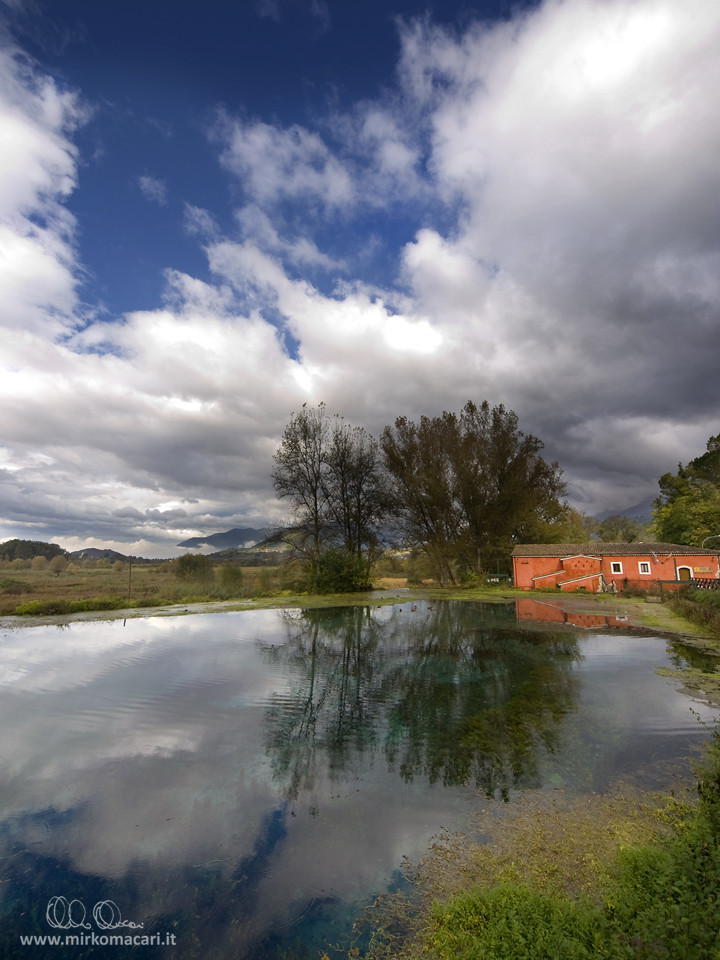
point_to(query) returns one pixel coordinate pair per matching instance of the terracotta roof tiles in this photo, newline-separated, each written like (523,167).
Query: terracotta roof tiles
(597,549)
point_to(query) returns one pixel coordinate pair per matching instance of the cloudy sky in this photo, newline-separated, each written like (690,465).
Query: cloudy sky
(212,213)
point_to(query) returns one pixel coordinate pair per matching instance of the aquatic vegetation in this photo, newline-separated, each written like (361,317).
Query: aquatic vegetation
(603,877)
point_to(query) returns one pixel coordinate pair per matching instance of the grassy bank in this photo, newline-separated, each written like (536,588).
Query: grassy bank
(701,607)
(120,587)
(626,875)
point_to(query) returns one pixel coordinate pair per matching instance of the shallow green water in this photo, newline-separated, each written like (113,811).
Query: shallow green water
(244,782)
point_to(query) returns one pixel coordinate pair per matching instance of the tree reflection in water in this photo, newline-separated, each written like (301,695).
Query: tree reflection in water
(458,693)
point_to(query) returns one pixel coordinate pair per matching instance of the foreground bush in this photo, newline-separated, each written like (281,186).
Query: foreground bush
(512,922)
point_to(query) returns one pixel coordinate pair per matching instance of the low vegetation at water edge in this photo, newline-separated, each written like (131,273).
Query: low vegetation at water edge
(607,878)
(699,606)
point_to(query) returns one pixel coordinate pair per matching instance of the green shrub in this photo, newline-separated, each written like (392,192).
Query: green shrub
(230,578)
(192,566)
(513,922)
(340,572)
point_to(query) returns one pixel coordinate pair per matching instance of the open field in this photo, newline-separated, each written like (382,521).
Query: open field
(31,591)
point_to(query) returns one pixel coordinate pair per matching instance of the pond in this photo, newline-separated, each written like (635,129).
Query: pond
(239,785)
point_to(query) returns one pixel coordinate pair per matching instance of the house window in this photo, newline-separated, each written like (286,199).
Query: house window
(644,566)
(616,567)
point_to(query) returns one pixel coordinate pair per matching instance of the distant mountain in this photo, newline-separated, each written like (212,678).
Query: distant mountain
(95,553)
(640,511)
(285,538)
(237,537)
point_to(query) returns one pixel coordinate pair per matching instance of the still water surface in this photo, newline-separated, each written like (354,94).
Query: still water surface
(244,782)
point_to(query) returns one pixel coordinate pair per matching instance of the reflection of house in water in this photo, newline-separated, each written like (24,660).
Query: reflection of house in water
(528,609)
(612,566)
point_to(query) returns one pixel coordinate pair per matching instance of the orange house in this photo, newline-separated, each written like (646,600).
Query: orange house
(598,567)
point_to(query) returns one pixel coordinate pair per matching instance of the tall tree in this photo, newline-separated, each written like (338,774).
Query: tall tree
(571,526)
(332,474)
(299,471)
(355,487)
(418,459)
(507,491)
(688,508)
(470,486)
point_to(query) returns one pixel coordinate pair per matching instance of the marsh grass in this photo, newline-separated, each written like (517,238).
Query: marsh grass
(31,592)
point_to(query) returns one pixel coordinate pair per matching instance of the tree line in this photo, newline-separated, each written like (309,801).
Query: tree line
(29,549)
(688,507)
(461,487)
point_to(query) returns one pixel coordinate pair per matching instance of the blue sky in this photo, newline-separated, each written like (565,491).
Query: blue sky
(157,77)
(213,213)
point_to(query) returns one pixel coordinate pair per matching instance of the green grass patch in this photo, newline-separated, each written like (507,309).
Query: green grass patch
(513,922)
(700,606)
(63,605)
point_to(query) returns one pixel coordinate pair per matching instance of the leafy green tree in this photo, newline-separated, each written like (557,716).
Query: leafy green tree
(192,566)
(27,549)
(569,526)
(688,508)
(707,466)
(419,461)
(57,565)
(690,518)
(508,493)
(470,486)
(618,529)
